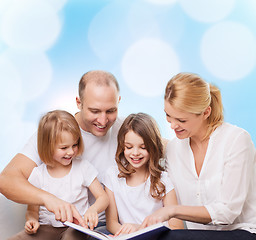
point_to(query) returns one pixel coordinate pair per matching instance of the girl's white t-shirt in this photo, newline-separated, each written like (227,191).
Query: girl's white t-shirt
(133,203)
(72,188)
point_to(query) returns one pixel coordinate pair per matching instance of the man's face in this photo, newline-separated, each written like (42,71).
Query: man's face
(98,109)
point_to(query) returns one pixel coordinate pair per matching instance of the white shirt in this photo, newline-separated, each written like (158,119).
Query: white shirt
(72,188)
(226,184)
(133,203)
(99,151)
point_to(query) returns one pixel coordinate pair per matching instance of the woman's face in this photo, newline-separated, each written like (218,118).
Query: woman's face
(186,124)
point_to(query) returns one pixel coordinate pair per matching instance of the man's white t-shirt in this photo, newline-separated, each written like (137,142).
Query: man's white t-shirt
(133,203)
(226,184)
(99,151)
(72,188)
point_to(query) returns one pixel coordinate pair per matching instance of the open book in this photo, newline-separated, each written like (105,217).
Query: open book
(146,233)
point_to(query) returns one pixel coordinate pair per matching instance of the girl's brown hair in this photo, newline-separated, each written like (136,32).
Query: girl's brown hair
(146,127)
(50,127)
(188,92)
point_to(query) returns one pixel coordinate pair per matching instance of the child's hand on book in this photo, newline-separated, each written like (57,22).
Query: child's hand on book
(127,228)
(91,218)
(31,226)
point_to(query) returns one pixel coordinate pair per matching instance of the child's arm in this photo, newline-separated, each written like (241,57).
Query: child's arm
(32,215)
(101,203)
(170,199)
(113,224)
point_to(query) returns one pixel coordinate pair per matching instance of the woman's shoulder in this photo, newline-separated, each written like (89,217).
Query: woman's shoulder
(230,132)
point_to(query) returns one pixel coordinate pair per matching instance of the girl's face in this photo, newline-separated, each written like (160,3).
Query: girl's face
(135,151)
(66,149)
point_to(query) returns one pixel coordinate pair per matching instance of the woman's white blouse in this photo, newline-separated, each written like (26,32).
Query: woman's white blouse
(226,185)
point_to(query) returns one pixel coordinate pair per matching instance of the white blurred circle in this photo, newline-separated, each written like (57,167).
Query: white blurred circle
(207,11)
(148,65)
(107,33)
(162,2)
(10,84)
(30,25)
(228,50)
(4,5)
(33,70)
(57,4)
(63,100)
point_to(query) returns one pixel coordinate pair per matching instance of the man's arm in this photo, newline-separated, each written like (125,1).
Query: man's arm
(15,186)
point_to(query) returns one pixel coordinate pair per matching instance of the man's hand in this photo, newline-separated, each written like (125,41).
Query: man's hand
(62,210)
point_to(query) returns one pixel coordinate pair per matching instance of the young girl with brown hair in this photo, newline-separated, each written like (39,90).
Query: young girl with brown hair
(138,185)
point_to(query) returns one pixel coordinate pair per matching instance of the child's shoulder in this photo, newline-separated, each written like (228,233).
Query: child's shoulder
(112,170)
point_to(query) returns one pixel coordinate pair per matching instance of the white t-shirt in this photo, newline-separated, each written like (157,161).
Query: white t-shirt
(72,188)
(226,184)
(99,151)
(133,203)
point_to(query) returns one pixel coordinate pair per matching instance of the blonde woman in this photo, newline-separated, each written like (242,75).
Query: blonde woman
(211,164)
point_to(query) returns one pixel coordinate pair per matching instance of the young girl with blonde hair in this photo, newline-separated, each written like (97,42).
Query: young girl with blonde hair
(64,174)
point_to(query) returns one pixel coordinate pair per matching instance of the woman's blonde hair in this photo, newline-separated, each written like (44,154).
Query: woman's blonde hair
(145,126)
(50,127)
(188,92)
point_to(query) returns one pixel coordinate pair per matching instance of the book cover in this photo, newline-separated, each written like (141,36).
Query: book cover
(146,233)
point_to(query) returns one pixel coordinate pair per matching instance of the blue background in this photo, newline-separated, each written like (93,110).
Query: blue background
(46,46)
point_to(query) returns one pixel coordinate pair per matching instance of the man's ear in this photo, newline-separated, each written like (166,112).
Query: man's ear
(207,112)
(119,99)
(78,103)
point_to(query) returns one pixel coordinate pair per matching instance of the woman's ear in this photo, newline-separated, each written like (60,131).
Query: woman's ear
(207,112)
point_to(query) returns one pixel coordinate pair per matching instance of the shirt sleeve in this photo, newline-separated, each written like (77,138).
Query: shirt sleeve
(30,149)
(108,178)
(89,172)
(237,175)
(167,182)
(35,177)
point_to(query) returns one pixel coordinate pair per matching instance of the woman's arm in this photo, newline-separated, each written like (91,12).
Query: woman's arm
(101,203)
(197,214)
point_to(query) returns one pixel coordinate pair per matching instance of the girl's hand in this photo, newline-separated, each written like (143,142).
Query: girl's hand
(31,226)
(161,215)
(91,218)
(127,228)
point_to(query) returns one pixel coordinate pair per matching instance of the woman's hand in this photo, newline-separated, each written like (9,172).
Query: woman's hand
(161,215)
(127,228)
(31,226)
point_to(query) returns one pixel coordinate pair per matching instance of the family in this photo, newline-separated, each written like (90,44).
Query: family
(119,175)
